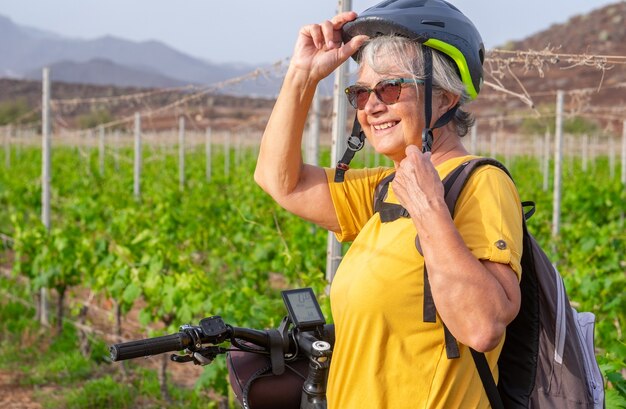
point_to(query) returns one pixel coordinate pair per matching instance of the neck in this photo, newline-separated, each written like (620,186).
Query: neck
(447,145)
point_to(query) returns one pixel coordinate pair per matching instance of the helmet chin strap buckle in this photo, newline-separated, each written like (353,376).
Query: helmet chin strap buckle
(427,140)
(355,143)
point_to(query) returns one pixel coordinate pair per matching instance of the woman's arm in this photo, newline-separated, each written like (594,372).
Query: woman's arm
(476,299)
(299,188)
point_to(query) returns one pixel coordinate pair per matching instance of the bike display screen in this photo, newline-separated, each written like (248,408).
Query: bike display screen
(303,308)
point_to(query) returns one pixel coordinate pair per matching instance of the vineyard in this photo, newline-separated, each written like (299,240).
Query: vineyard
(127,212)
(218,245)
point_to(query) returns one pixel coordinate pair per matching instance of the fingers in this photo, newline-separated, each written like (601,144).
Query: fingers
(331,35)
(411,159)
(328,33)
(352,46)
(416,167)
(319,48)
(314,31)
(412,149)
(414,155)
(342,18)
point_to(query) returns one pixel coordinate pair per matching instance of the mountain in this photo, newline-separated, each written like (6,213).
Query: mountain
(25,50)
(104,72)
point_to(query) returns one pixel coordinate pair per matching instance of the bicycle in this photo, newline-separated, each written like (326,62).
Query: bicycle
(288,366)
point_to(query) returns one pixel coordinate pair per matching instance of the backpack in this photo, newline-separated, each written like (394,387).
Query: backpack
(548,358)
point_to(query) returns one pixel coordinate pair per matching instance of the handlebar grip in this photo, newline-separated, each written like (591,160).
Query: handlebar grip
(149,346)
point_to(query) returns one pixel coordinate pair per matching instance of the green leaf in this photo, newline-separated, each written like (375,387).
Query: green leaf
(131,293)
(144,235)
(614,400)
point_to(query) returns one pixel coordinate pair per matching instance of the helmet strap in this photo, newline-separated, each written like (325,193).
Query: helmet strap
(356,140)
(427,132)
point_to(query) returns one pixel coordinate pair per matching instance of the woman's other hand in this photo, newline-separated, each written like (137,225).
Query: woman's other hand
(417,184)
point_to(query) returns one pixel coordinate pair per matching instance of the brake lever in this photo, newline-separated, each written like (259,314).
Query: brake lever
(181,359)
(202,357)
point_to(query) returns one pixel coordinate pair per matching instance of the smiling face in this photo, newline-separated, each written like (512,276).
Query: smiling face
(391,128)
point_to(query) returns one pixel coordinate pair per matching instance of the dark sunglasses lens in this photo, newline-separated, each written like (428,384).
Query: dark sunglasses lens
(388,91)
(358,96)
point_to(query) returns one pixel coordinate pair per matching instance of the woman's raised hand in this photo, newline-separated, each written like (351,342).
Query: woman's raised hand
(319,49)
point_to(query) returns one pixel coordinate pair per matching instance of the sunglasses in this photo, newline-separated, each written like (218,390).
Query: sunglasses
(387,92)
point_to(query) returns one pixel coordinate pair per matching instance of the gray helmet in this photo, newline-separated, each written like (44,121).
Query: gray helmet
(434,23)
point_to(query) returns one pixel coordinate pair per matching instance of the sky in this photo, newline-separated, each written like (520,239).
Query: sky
(258,31)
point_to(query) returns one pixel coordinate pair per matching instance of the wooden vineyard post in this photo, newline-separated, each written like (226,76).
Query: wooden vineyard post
(181,153)
(46,176)
(7,146)
(623,177)
(101,148)
(116,150)
(585,152)
(340,105)
(558,158)
(227,154)
(611,153)
(207,151)
(312,144)
(238,149)
(546,160)
(624,153)
(137,160)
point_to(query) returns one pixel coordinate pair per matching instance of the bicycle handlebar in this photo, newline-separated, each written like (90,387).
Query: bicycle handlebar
(150,346)
(212,331)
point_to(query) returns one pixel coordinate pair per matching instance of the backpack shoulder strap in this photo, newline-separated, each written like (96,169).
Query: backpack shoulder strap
(453,186)
(380,193)
(388,211)
(457,179)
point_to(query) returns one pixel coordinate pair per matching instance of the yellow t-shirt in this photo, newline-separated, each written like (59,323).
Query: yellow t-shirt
(385,356)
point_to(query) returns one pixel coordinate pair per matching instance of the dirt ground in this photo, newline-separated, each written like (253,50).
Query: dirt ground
(13,395)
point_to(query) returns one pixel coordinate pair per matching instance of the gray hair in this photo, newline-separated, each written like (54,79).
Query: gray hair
(404,55)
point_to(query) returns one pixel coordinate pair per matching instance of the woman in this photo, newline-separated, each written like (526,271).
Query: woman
(386,355)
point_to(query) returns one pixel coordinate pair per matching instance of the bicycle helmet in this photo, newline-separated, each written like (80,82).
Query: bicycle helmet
(436,24)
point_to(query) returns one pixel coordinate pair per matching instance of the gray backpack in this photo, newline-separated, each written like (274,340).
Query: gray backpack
(548,358)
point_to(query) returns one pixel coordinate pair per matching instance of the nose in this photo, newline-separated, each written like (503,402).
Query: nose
(373,104)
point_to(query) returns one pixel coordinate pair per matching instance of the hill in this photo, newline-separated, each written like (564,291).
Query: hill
(585,57)
(220,111)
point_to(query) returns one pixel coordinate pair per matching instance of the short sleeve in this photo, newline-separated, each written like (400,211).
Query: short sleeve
(489,217)
(353,198)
